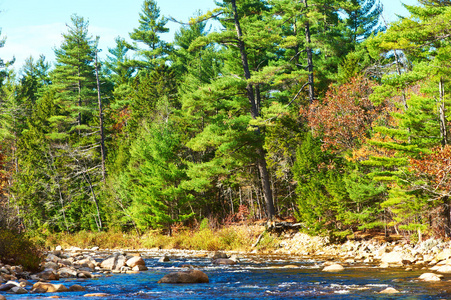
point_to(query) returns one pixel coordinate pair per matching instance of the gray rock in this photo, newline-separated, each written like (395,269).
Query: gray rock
(18,290)
(6,287)
(109,263)
(219,254)
(120,262)
(191,276)
(66,272)
(84,274)
(139,268)
(224,261)
(48,275)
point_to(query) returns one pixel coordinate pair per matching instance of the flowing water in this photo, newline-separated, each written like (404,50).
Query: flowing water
(258,277)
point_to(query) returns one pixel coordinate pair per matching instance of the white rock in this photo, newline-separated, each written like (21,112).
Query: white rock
(334,268)
(393,257)
(389,290)
(430,277)
(444,269)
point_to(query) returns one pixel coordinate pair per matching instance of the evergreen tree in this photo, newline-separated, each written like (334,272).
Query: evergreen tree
(147,33)
(365,20)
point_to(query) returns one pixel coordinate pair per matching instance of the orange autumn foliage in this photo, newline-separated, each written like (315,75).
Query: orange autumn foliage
(344,118)
(435,169)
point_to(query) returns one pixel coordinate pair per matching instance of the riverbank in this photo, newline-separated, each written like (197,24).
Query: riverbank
(430,259)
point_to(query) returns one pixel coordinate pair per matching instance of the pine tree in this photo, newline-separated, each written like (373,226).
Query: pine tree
(419,121)
(147,33)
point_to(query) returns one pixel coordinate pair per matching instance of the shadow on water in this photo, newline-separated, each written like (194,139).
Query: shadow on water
(259,277)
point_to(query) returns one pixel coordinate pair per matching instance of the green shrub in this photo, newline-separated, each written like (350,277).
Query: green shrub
(18,249)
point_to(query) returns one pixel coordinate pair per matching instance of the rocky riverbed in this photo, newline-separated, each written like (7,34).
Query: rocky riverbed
(432,258)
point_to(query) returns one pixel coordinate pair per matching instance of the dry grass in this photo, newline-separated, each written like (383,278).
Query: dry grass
(227,238)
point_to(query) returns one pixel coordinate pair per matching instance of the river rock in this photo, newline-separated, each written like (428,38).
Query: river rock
(191,276)
(120,262)
(48,275)
(53,258)
(164,258)
(109,263)
(51,265)
(135,261)
(443,255)
(389,290)
(84,274)
(393,258)
(97,295)
(18,290)
(49,287)
(88,262)
(77,288)
(430,277)
(139,268)
(6,287)
(67,272)
(224,261)
(446,269)
(333,268)
(219,254)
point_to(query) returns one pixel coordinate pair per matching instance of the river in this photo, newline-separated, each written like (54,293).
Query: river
(258,277)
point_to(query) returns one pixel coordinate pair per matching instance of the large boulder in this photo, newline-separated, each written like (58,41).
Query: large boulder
(135,261)
(191,276)
(109,263)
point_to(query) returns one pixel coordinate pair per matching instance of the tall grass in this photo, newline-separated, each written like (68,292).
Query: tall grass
(227,238)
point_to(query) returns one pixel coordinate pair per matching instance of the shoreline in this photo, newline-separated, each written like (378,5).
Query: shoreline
(431,257)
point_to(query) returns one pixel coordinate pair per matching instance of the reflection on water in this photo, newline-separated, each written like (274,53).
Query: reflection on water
(259,277)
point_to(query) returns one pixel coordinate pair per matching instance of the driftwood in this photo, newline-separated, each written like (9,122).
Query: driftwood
(277,227)
(283,226)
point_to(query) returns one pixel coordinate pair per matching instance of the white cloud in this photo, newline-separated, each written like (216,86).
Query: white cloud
(26,41)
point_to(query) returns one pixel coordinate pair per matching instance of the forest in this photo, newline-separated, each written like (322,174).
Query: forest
(315,109)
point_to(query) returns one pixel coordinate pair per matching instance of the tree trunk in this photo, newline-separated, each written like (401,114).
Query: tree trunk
(441,105)
(102,136)
(311,84)
(261,160)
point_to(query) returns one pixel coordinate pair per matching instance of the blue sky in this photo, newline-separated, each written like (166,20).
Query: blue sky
(34,27)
